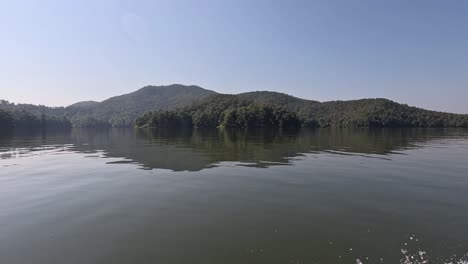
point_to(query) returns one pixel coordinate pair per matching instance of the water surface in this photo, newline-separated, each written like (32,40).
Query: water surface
(212,196)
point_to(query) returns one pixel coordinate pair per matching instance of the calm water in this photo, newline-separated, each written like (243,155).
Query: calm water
(314,196)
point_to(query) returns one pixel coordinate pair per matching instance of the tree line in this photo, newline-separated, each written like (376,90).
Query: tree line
(222,112)
(240,112)
(26,120)
(178,107)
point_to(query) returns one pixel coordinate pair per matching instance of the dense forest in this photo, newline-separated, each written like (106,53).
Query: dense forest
(118,111)
(376,113)
(266,109)
(187,106)
(26,120)
(6,120)
(233,114)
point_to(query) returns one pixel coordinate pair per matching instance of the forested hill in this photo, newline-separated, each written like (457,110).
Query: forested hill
(275,98)
(118,111)
(121,111)
(207,108)
(25,120)
(269,109)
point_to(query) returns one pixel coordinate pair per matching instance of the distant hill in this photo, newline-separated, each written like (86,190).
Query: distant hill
(124,109)
(270,109)
(267,97)
(23,119)
(118,111)
(83,105)
(211,107)
(33,109)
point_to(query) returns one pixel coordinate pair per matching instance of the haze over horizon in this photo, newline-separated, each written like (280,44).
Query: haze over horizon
(58,53)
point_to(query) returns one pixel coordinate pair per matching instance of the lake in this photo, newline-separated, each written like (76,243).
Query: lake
(222,196)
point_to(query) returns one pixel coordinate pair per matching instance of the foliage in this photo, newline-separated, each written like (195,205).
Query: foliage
(220,111)
(6,120)
(179,105)
(259,116)
(376,113)
(268,109)
(119,111)
(168,119)
(26,120)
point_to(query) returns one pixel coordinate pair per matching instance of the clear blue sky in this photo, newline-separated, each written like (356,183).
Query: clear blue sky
(61,52)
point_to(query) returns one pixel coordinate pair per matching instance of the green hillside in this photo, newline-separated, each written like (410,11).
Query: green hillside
(119,111)
(195,106)
(263,109)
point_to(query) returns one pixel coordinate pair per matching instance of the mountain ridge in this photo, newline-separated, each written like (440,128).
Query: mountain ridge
(123,110)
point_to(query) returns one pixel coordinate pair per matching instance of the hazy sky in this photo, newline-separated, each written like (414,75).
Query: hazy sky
(61,52)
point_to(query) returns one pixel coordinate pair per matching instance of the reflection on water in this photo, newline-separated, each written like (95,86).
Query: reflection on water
(232,196)
(194,150)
